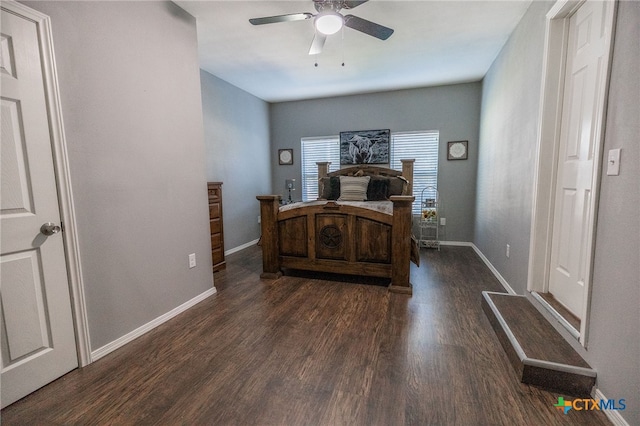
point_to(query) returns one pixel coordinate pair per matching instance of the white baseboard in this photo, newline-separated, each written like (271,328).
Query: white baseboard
(118,343)
(456,243)
(497,274)
(242,247)
(615,416)
(493,270)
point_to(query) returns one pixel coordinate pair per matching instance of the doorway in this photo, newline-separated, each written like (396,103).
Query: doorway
(576,72)
(42,303)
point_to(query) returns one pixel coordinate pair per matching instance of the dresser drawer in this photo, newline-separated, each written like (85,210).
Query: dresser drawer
(214,193)
(217,255)
(216,241)
(215,226)
(215,210)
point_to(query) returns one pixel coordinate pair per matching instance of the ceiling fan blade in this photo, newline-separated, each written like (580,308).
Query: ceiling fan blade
(317,44)
(281,18)
(367,27)
(350,4)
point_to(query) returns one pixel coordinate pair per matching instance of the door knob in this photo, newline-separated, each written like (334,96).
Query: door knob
(50,228)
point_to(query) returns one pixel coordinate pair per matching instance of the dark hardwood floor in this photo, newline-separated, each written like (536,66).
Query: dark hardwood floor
(308,351)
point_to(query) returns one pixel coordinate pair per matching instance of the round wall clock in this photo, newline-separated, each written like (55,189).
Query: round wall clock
(457,150)
(285,156)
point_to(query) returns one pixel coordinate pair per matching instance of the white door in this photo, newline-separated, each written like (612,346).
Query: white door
(38,340)
(587,60)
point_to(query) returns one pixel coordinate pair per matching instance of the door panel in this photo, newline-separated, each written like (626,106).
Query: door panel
(27,327)
(17,196)
(574,207)
(38,339)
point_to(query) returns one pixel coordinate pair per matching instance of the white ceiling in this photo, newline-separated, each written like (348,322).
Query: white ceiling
(434,43)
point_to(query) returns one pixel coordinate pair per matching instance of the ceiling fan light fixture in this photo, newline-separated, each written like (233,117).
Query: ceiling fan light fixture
(328,22)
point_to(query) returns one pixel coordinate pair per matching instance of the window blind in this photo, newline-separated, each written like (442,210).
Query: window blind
(314,150)
(423,146)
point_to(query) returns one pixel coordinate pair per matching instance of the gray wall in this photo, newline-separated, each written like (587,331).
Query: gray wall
(510,100)
(236,130)
(453,110)
(130,94)
(614,330)
(508,138)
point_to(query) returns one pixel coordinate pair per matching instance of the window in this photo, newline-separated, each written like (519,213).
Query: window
(315,150)
(422,146)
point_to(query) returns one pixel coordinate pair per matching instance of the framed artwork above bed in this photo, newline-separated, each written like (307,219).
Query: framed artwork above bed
(365,147)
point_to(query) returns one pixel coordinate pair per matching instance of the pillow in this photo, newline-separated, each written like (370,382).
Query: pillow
(378,189)
(329,188)
(353,188)
(397,185)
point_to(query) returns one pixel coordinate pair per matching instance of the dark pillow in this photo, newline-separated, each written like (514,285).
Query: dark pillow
(397,185)
(330,188)
(378,189)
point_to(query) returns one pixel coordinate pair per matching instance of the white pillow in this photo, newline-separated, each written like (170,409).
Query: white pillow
(353,188)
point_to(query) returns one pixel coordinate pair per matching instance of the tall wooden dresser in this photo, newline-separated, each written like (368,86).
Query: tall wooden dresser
(215,225)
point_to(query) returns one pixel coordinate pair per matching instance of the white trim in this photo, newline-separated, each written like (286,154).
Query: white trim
(550,119)
(493,269)
(63,179)
(121,341)
(486,261)
(556,315)
(554,366)
(503,324)
(456,243)
(545,168)
(613,415)
(242,247)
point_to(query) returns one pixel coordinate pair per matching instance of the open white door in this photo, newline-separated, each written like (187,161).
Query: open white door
(38,339)
(578,157)
(577,61)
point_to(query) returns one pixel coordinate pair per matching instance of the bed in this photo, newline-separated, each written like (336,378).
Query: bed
(339,233)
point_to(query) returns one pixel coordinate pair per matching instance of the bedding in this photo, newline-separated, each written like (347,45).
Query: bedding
(385,207)
(379,188)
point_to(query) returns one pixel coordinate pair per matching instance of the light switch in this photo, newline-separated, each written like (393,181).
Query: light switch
(613,162)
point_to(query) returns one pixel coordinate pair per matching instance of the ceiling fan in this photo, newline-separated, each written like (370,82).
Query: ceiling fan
(329,21)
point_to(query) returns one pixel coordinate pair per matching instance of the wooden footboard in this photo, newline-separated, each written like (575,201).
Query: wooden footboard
(338,238)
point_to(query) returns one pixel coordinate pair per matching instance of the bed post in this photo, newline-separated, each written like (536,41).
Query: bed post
(323,169)
(407,173)
(269,205)
(323,172)
(401,244)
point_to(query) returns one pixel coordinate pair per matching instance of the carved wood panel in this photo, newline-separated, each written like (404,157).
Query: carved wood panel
(373,241)
(292,236)
(331,236)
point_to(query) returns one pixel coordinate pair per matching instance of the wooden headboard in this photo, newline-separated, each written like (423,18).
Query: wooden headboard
(369,170)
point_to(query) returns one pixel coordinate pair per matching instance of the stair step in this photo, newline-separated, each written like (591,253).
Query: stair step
(538,353)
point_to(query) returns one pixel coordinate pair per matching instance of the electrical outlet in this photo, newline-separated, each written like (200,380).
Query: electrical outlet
(259,219)
(443,221)
(192,260)
(508,250)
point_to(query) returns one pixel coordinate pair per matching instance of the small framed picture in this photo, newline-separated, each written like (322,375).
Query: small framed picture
(457,150)
(285,157)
